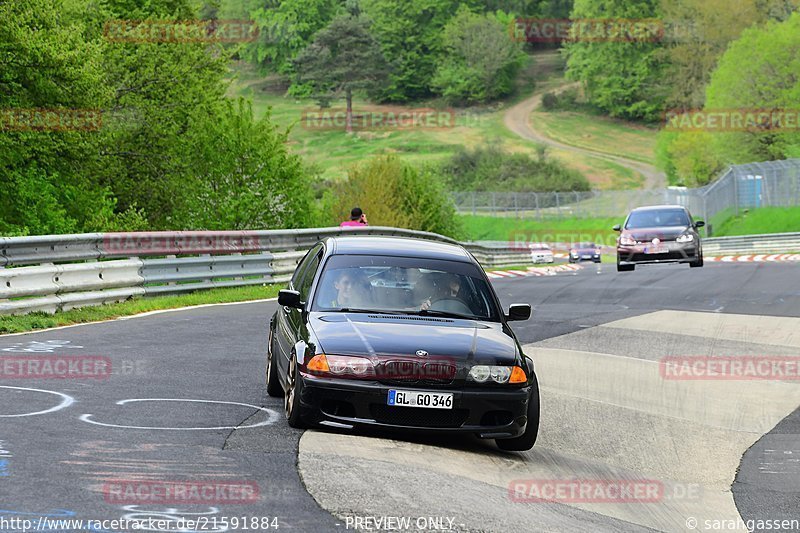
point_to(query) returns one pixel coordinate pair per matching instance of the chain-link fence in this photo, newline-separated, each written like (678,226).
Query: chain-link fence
(754,185)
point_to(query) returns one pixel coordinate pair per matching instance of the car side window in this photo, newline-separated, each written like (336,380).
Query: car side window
(303,284)
(298,272)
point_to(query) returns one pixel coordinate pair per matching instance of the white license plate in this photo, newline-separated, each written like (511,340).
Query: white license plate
(656,250)
(413,398)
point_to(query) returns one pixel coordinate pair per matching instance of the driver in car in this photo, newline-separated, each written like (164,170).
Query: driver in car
(447,287)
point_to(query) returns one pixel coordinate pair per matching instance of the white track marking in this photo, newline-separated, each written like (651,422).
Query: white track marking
(273,416)
(140,315)
(66,401)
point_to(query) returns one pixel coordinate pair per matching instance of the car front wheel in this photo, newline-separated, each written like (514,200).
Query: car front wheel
(274,388)
(528,438)
(291,401)
(624,268)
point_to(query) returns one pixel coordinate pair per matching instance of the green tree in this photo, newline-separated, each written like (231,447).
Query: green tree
(243,174)
(623,78)
(759,72)
(688,157)
(286,28)
(480,60)
(697,34)
(342,58)
(395,194)
(410,35)
(45,63)
(158,88)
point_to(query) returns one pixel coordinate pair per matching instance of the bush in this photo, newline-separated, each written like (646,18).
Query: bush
(242,174)
(481,60)
(549,101)
(493,169)
(393,193)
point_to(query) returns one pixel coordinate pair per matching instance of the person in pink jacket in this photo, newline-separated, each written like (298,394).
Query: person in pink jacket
(357,218)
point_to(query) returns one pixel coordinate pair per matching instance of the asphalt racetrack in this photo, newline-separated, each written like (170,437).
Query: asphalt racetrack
(179,396)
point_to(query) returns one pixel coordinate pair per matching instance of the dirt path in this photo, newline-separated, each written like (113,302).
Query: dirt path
(518,120)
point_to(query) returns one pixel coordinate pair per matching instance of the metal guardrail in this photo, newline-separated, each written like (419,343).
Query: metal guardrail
(752,244)
(95,268)
(90,269)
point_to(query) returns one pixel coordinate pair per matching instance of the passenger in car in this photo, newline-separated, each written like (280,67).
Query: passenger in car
(350,290)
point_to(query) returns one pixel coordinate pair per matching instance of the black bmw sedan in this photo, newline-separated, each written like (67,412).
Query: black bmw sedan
(400,333)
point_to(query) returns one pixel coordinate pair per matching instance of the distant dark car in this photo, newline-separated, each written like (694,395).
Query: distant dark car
(659,234)
(586,251)
(400,333)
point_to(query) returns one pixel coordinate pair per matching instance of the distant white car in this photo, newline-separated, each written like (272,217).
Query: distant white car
(541,253)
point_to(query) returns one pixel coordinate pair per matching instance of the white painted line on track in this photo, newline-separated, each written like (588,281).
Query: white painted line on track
(139,315)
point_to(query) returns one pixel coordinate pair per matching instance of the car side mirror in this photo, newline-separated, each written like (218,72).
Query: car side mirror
(617,227)
(289,298)
(518,312)
(699,224)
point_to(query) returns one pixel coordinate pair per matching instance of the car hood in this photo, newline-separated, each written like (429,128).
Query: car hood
(585,250)
(377,335)
(668,233)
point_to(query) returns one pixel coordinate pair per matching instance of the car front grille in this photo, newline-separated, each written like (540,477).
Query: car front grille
(419,417)
(409,372)
(669,256)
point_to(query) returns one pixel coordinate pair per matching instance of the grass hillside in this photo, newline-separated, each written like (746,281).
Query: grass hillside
(332,151)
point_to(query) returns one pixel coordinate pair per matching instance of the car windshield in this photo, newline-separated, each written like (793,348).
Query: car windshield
(657,218)
(404,285)
(586,245)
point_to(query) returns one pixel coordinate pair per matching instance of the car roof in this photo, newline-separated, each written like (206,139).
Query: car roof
(397,246)
(656,207)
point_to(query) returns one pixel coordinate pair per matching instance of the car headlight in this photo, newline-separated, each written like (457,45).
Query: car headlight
(686,237)
(498,374)
(341,366)
(625,240)
(480,373)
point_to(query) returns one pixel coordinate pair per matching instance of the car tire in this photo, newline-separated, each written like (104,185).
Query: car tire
(291,398)
(528,438)
(624,268)
(571,260)
(696,264)
(274,388)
